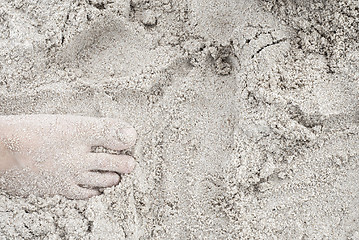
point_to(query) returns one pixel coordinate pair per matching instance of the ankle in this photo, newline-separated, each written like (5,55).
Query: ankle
(7,159)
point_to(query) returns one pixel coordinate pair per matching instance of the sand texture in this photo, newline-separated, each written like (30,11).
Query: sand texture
(247,114)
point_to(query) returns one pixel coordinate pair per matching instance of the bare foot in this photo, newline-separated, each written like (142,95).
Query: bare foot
(49,155)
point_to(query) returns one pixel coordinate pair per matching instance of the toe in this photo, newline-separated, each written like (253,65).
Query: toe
(79,193)
(127,136)
(98,179)
(112,133)
(112,163)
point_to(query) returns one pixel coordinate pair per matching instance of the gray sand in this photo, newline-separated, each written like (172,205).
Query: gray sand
(247,114)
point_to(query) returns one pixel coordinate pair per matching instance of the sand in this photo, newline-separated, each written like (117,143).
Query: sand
(246,111)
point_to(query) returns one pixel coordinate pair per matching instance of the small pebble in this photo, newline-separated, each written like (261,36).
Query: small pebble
(149,18)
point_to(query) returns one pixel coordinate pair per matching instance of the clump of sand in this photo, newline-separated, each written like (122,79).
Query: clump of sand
(247,117)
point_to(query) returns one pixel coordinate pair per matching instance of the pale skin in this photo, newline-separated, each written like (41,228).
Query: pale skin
(48,155)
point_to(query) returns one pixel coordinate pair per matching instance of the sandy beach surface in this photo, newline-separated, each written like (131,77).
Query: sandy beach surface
(247,114)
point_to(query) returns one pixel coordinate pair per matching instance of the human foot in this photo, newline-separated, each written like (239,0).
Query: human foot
(51,154)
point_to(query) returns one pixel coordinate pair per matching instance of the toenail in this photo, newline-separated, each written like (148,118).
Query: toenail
(131,165)
(127,135)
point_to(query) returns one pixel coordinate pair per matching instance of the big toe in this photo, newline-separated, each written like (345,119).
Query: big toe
(126,135)
(114,134)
